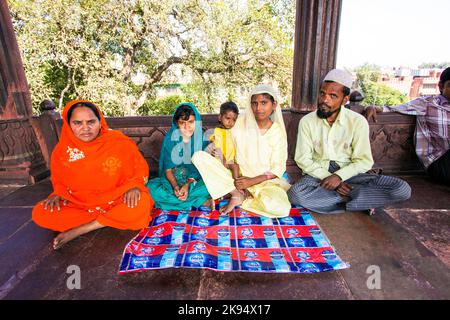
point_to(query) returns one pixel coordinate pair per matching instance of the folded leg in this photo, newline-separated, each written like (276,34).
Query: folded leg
(376,191)
(309,194)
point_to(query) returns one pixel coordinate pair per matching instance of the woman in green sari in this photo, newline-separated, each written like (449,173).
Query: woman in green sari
(179,186)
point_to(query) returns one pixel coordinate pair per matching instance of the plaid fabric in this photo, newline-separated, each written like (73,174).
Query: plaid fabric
(242,241)
(433,124)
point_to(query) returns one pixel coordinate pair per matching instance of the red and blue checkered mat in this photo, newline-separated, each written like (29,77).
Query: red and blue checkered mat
(240,242)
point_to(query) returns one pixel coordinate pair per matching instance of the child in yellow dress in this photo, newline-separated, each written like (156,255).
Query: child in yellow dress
(222,146)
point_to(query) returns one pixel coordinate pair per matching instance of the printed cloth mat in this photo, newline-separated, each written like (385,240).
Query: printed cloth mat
(240,242)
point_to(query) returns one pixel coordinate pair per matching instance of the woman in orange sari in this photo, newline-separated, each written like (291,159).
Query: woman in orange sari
(98,177)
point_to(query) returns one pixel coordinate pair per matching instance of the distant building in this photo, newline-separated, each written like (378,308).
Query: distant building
(414,83)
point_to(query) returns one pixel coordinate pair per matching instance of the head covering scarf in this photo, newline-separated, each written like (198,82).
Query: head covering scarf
(251,150)
(96,172)
(175,152)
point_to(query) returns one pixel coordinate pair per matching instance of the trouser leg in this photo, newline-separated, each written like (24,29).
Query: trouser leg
(440,169)
(375,191)
(309,194)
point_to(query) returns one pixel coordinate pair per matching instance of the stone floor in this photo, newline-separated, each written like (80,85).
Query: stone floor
(409,242)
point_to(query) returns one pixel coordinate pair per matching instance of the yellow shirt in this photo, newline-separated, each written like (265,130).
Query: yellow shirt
(222,140)
(346,142)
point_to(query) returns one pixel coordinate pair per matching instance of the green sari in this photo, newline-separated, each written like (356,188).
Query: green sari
(176,155)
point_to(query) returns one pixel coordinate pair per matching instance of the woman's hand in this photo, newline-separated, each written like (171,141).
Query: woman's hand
(242,183)
(184,192)
(176,191)
(131,197)
(53,201)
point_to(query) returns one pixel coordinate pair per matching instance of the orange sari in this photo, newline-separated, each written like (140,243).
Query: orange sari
(92,177)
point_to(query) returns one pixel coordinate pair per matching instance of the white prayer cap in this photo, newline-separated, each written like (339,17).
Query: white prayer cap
(339,76)
(264,88)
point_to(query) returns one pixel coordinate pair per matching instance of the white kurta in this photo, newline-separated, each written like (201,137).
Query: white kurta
(269,197)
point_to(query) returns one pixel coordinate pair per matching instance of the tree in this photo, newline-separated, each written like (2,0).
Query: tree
(375,93)
(115,52)
(162,106)
(378,94)
(366,74)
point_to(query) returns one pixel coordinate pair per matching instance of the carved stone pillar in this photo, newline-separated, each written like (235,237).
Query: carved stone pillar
(316,38)
(47,129)
(21,160)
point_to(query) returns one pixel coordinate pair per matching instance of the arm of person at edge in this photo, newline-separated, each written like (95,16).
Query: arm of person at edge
(413,108)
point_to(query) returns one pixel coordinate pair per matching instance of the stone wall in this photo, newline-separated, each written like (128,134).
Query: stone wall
(391,138)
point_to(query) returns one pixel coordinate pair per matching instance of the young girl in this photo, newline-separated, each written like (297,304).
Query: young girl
(260,142)
(179,185)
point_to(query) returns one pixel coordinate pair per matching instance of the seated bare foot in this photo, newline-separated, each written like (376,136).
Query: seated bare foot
(71,234)
(210,203)
(234,201)
(65,237)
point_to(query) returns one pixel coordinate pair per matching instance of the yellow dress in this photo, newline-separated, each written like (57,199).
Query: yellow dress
(222,140)
(256,154)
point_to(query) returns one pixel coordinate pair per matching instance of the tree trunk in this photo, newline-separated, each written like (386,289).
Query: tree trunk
(154,78)
(63,92)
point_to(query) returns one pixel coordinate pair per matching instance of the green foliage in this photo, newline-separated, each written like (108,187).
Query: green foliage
(366,74)
(367,77)
(381,95)
(161,106)
(115,52)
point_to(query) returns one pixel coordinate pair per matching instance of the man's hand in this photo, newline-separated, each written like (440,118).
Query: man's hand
(53,201)
(132,197)
(371,113)
(331,182)
(344,189)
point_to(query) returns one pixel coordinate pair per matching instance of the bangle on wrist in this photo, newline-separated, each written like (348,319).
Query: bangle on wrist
(268,175)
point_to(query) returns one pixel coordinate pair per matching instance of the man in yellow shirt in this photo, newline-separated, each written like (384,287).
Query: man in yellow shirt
(333,151)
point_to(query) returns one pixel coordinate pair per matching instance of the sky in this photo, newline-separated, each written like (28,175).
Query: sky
(394,33)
